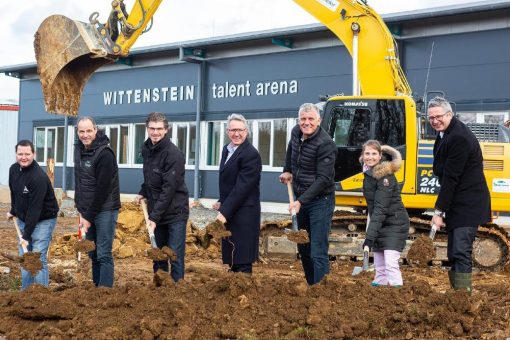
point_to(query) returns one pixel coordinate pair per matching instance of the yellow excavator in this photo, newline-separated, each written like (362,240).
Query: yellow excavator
(381,107)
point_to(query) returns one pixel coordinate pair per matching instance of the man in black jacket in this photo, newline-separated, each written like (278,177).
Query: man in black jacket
(310,166)
(34,205)
(464,201)
(97,196)
(165,191)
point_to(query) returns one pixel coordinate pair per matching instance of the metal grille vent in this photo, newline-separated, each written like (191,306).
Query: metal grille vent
(493,164)
(493,150)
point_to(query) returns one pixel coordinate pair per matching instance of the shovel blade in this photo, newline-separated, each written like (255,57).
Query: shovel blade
(357,271)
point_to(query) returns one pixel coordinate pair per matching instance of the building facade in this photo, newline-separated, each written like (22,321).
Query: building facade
(8,139)
(463,52)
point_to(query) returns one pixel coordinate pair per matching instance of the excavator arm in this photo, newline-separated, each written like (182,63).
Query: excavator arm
(68,52)
(379,70)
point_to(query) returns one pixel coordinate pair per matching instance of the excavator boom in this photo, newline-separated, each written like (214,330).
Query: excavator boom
(378,68)
(68,52)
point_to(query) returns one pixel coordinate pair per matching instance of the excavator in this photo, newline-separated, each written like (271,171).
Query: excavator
(381,107)
(68,52)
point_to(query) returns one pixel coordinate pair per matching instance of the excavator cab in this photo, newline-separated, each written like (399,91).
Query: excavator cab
(351,121)
(68,52)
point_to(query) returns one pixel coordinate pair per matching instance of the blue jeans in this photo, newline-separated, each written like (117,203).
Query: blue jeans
(41,238)
(102,232)
(172,235)
(315,218)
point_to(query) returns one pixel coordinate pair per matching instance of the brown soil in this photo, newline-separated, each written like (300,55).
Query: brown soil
(162,254)
(84,246)
(299,237)
(217,230)
(211,303)
(31,262)
(421,252)
(162,278)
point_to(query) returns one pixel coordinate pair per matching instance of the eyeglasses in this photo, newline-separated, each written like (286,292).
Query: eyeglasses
(438,117)
(232,131)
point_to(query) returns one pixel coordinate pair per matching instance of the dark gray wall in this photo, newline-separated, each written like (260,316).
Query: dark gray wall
(472,68)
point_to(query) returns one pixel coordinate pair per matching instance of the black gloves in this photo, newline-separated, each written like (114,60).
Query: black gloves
(368,243)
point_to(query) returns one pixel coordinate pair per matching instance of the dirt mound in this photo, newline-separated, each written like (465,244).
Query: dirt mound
(217,230)
(132,240)
(162,254)
(299,237)
(84,246)
(421,252)
(211,304)
(31,262)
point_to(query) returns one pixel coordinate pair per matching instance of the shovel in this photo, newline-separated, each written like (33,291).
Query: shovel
(293,213)
(357,270)
(18,231)
(432,232)
(295,235)
(146,215)
(81,234)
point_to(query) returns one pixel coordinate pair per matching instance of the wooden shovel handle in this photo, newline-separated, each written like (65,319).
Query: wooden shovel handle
(146,215)
(18,231)
(291,193)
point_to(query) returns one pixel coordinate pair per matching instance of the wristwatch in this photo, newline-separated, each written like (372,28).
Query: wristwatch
(439,213)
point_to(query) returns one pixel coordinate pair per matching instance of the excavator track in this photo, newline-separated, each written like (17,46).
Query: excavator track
(490,249)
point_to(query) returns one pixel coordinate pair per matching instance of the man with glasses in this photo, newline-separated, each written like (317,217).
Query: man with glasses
(239,203)
(463,201)
(310,167)
(166,193)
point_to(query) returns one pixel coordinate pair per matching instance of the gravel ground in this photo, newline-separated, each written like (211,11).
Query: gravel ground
(201,216)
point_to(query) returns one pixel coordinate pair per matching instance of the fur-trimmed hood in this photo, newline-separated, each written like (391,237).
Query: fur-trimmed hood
(390,163)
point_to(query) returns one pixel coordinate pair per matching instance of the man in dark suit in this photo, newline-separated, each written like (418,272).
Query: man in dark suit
(239,203)
(463,202)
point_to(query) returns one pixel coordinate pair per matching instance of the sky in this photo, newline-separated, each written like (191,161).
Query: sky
(175,21)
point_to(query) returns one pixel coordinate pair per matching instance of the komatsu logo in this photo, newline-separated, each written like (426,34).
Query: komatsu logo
(331,4)
(363,104)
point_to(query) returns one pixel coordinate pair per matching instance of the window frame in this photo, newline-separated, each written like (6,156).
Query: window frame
(45,147)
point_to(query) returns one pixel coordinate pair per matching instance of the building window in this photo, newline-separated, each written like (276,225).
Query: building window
(119,141)
(49,143)
(140,138)
(215,141)
(183,135)
(269,136)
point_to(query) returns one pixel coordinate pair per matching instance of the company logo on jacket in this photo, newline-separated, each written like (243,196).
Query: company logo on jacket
(25,190)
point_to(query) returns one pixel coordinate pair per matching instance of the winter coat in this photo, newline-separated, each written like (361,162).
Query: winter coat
(163,182)
(312,164)
(458,163)
(96,176)
(240,203)
(32,196)
(389,221)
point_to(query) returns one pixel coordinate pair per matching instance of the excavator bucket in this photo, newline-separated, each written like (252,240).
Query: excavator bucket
(67,53)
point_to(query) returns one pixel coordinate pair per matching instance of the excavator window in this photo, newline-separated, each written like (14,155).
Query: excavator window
(350,127)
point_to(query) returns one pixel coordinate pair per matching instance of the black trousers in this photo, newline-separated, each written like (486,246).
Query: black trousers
(460,248)
(242,268)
